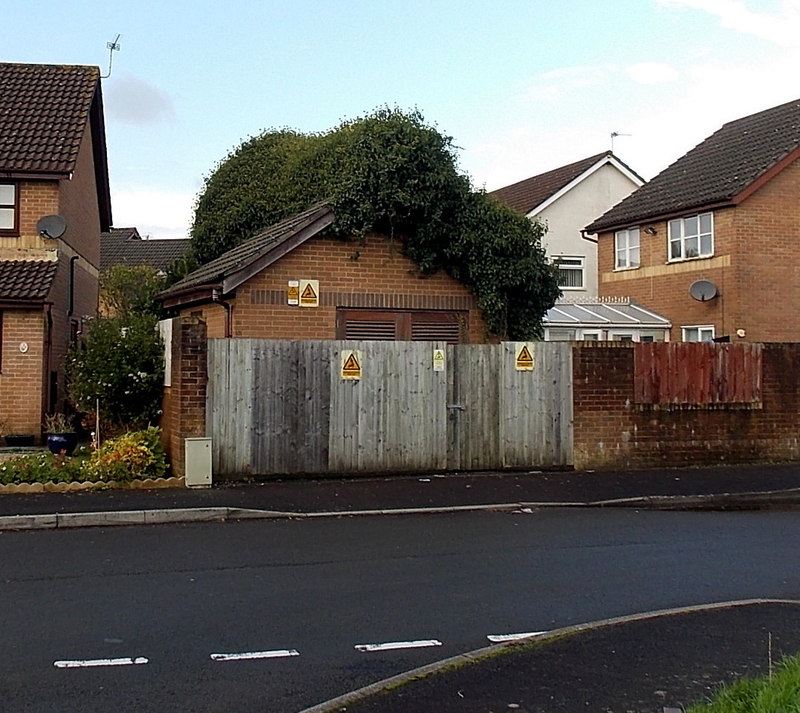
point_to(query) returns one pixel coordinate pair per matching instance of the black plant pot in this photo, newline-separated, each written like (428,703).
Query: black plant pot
(62,443)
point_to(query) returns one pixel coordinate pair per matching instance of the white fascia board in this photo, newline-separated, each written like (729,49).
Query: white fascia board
(575,181)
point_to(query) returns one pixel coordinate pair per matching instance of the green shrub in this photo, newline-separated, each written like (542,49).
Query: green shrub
(121,363)
(133,455)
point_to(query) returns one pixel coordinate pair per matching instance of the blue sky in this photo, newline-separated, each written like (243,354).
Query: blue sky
(522,87)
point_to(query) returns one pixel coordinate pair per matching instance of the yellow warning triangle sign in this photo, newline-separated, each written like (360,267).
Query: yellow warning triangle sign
(351,366)
(308,293)
(524,358)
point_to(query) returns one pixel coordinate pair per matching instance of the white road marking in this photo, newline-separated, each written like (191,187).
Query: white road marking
(249,655)
(89,663)
(500,638)
(398,645)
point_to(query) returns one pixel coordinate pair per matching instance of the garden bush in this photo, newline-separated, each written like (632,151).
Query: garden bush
(133,455)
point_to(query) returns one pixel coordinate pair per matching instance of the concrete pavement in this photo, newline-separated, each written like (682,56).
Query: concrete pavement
(721,487)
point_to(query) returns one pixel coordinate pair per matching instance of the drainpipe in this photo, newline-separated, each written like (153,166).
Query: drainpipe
(228,307)
(586,237)
(71,302)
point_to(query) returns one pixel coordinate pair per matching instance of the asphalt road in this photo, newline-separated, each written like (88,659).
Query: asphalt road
(280,615)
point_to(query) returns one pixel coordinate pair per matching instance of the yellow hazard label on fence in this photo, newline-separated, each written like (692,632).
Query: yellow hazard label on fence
(438,359)
(524,357)
(351,364)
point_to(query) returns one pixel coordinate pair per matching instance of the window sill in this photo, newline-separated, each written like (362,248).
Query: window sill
(689,259)
(626,269)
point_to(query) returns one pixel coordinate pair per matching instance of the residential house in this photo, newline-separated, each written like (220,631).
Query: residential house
(53,166)
(296,281)
(713,241)
(124,246)
(565,200)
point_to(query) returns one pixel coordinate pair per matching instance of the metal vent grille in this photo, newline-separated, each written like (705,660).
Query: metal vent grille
(435,332)
(382,331)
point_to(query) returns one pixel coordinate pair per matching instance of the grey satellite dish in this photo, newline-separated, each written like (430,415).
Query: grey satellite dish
(703,290)
(51,226)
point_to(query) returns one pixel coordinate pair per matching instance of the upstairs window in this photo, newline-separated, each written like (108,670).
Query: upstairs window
(570,272)
(691,237)
(9,209)
(626,248)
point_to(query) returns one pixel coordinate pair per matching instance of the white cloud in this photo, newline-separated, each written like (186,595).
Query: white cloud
(551,86)
(652,73)
(158,214)
(781,28)
(134,101)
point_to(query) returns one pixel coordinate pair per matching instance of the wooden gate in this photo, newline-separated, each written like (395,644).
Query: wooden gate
(283,407)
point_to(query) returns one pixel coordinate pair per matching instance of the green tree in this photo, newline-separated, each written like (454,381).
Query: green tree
(391,173)
(126,290)
(119,361)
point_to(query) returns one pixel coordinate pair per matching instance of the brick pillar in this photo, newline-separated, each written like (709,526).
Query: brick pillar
(184,403)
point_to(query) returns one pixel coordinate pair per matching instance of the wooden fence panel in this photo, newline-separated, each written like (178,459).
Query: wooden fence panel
(536,407)
(281,407)
(393,417)
(692,374)
(229,412)
(473,404)
(291,393)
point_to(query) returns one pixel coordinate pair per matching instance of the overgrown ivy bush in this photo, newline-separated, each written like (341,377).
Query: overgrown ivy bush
(391,173)
(138,454)
(120,360)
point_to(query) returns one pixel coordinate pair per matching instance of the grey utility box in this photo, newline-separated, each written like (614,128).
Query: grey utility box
(197,462)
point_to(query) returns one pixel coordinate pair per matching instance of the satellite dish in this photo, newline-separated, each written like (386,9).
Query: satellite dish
(703,290)
(51,226)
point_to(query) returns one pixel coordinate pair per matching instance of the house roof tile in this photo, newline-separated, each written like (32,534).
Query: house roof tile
(527,195)
(124,246)
(26,280)
(261,246)
(44,111)
(715,172)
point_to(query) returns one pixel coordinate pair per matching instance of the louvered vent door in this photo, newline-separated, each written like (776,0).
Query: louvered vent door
(401,325)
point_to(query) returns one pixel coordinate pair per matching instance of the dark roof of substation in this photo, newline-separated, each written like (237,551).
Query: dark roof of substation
(527,195)
(44,112)
(722,170)
(230,269)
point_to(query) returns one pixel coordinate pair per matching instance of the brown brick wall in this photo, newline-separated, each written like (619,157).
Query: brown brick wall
(756,251)
(610,431)
(372,273)
(21,374)
(184,401)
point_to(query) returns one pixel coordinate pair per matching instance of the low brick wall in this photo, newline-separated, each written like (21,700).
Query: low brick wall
(611,431)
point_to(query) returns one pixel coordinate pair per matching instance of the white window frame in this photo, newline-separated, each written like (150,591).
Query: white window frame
(578,265)
(691,241)
(627,249)
(705,332)
(10,209)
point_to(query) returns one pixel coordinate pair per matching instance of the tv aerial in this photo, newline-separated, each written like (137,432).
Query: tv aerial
(614,135)
(112,47)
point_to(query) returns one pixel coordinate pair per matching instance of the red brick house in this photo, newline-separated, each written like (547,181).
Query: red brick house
(713,241)
(296,281)
(52,163)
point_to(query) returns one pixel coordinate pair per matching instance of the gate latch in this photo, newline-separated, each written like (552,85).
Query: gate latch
(456,407)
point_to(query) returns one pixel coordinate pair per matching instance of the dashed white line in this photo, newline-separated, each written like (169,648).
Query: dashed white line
(389,646)
(250,655)
(90,663)
(500,638)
